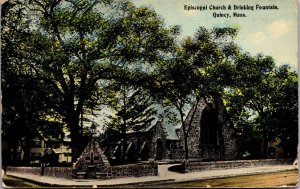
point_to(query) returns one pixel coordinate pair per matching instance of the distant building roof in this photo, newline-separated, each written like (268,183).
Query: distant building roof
(170,130)
(168,127)
(62,150)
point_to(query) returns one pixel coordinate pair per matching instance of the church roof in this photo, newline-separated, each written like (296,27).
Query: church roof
(168,127)
(170,130)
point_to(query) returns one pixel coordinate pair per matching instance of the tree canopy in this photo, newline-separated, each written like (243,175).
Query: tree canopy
(262,94)
(63,59)
(68,46)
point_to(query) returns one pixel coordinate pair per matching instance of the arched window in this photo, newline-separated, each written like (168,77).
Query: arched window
(209,127)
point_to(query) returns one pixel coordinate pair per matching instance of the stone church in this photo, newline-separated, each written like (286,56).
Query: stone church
(210,131)
(210,137)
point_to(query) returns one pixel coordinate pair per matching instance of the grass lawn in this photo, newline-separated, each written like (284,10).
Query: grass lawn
(286,178)
(16,182)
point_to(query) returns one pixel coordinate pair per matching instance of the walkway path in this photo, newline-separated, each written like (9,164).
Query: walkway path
(164,175)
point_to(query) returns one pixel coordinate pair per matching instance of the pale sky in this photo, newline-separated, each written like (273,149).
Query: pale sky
(271,32)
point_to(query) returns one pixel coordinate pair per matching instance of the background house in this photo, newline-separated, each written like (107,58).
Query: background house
(56,151)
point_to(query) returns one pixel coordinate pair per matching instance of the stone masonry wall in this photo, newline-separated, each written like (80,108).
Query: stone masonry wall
(158,133)
(62,172)
(132,170)
(216,165)
(230,145)
(226,149)
(177,154)
(135,170)
(194,131)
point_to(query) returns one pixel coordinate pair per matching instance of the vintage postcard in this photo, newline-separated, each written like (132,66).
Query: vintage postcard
(149,93)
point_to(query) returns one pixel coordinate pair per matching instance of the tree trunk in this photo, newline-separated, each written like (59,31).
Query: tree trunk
(73,123)
(26,149)
(124,125)
(72,118)
(124,145)
(265,142)
(43,164)
(219,103)
(13,156)
(81,124)
(186,150)
(186,146)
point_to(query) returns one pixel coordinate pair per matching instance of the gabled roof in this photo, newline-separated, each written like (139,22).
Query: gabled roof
(62,150)
(170,130)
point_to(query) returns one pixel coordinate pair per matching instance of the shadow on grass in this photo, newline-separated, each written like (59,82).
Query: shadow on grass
(16,182)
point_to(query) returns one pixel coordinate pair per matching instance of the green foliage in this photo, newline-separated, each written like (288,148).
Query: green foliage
(212,53)
(24,109)
(130,103)
(265,101)
(69,47)
(132,110)
(65,58)
(199,68)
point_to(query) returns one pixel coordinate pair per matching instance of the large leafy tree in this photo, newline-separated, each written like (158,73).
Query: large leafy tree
(263,103)
(132,107)
(200,67)
(172,86)
(62,46)
(70,46)
(212,54)
(23,108)
(285,103)
(143,44)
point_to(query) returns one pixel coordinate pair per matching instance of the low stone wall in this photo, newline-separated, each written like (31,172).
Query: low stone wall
(199,166)
(134,170)
(62,172)
(131,170)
